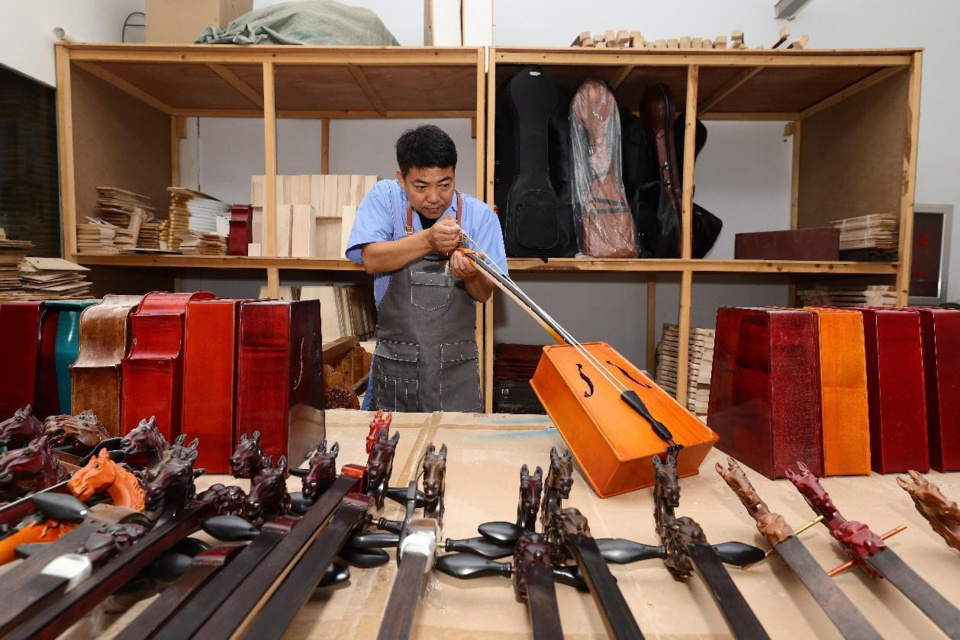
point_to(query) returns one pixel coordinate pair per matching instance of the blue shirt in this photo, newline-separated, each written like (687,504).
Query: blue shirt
(382,216)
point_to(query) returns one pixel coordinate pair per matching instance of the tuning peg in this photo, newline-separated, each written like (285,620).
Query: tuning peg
(191,546)
(620,551)
(60,506)
(230,528)
(570,576)
(505,532)
(738,554)
(394,526)
(299,472)
(336,573)
(168,567)
(479,546)
(374,540)
(467,566)
(399,494)
(365,558)
(300,504)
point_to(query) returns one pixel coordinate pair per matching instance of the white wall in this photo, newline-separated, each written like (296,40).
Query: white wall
(742,175)
(27,42)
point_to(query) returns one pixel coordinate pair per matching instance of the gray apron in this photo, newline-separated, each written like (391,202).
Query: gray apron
(426,357)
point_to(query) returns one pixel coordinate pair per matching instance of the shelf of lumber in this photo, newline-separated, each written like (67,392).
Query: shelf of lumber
(217,262)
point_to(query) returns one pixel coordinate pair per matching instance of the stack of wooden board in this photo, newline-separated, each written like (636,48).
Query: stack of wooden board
(345,310)
(875,295)
(624,39)
(315,213)
(97,236)
(876,233)
(54,278)
(12,253)
(194,218)
(699,366)
(128,212)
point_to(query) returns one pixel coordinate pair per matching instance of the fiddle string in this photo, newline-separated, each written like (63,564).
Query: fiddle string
(566,335)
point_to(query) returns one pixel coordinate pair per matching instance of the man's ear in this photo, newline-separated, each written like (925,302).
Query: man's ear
(400,177)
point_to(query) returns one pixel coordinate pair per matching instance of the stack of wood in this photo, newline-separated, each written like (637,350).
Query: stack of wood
(194,218)
(875,295)
(98,237)
(128,212)
(346,310)
(624,39)
(513,367)
(314,213)
(53,278)
(699,366)
(346,372)
(12,253)
(875,236)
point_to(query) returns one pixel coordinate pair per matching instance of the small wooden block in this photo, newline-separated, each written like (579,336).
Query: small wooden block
(720,42)
(588,43)
(660,44)
(707,43)
(611,44)
(636,40)
(800,42)
(608,35)
(254,249)
(284,221)
(685,42)
(623,37)
(673,43)
(696,43)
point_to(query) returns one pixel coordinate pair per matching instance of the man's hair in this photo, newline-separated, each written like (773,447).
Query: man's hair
(425,147)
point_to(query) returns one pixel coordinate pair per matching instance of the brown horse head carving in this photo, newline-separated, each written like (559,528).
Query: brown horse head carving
(21,429)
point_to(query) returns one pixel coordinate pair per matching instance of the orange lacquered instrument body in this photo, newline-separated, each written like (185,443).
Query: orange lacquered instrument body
(613,445)
(843,389)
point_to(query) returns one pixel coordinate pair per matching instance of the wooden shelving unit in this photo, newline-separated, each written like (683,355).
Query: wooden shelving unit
(853,115)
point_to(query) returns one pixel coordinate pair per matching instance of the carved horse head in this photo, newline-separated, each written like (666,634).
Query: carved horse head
(322,470)
(268,492)
(145,438)
(101,475)
(560,476)
(21,429)
(666,481)
(248,458)
(809,487)
(380,467)
(81,433)
(434,481)
(35,462)
(227,500)
(737,480)
(528,506)
(173,480)
(380,422)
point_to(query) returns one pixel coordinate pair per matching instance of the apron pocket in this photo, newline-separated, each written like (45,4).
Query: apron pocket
(396,366)
(430,291)
(459,376)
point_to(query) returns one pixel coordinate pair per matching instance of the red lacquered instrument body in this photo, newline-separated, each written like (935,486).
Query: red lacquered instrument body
(153,369)
(765,388)
(209,384)
(895,387)
(614,445)
(279,375)
(21,328)
(95,380)
(241,229)
(941,363)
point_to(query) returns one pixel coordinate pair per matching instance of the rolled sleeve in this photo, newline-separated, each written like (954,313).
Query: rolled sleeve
(373,223)
(489,237)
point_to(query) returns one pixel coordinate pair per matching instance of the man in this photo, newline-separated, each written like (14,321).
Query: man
(426,357)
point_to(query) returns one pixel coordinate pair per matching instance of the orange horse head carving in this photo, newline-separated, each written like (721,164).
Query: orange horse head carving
(104,475)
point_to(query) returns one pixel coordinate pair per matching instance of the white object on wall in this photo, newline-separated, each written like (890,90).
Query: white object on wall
(476,18)
(441,23)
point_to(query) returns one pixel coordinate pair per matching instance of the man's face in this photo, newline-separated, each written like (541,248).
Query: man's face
(429,190)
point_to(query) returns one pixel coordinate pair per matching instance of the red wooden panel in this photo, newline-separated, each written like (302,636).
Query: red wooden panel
(153,369)
(895,387)
(765,388)
(209,359)
(19,355)
(941,363)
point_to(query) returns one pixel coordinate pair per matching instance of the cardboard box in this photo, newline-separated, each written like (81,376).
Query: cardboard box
(184,20)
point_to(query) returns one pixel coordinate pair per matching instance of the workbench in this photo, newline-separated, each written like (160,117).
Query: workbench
(482,482)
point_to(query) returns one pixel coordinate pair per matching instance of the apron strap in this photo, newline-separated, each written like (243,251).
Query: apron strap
(409,226)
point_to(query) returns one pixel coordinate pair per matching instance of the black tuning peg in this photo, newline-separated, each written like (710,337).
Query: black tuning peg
(620,551)
(230,528)
(570,576)
(191,546)
(393,526)
(505,532)
(374,540)
(467,566)
(336,573)
(399,494)
(738,554)
(480,546)
(300,505)
(168,567)
(299,473)
(60,506)
(364,558)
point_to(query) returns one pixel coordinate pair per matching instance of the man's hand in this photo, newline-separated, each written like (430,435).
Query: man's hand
(444,236)
(463,268)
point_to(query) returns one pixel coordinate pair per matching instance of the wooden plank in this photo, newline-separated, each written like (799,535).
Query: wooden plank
(334,352)
(689,148)
(683,349)
(320,114)
(231,78)
(124,86)
(174,153)
(320,55)
(909,180)
(704,58)
(741,79)
(491,125)
(273,283)
(751,117)
(68,194)
(622,75)
(270,149)
(795,176)
(367,89)
(488,347)
(479,127)
(651,322)
(866,83)
(325,146)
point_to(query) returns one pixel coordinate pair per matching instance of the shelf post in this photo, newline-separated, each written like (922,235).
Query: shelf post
(325,146)
(796,128)
(909,182)
(651,323)
(686,253)
(68,196)
(270,180)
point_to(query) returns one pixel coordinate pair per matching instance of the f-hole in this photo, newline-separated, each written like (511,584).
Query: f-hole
(586,394)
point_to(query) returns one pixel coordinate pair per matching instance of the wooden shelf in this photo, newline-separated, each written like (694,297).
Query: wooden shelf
(702,266)
(217,262)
